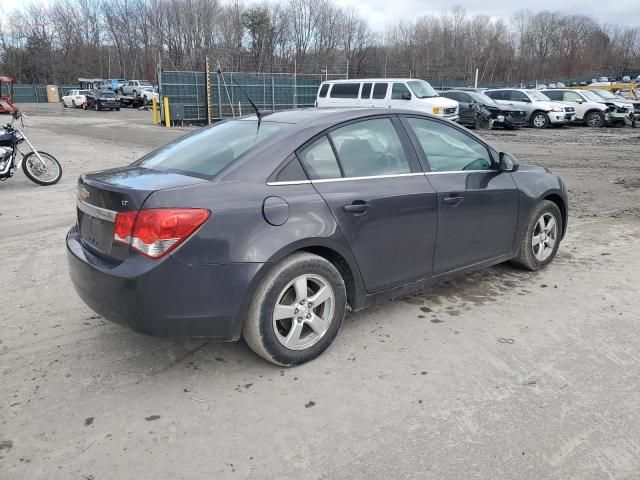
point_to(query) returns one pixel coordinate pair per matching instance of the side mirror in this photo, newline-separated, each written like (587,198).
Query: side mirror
(579,100)
(526,100)
(507,162)
(406,96)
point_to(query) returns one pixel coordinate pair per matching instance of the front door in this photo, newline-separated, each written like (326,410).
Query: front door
(400,96)
(382,203)
(477,205)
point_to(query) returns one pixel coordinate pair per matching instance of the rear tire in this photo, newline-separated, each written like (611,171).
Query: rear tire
(32,172)
(281,327)
(535,250)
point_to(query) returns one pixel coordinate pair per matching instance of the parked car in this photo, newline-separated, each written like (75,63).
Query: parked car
(74,98)
(478,110)
(591,112)
(627,111)
(136,87)
(541,111)
(271,228)
(114,84)
(149,95)
(405,93)
(101,99)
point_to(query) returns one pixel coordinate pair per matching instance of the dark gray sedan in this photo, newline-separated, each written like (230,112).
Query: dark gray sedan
(271,229)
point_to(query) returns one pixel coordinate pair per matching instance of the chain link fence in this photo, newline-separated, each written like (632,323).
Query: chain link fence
(187,93)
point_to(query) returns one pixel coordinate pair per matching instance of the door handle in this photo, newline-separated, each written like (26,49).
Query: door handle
(357,207)
(453,201)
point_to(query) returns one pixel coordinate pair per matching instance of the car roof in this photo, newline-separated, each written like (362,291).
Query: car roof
(328,115)
(361,80)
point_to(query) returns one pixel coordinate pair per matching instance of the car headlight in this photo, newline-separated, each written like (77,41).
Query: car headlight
(437,110)
(555,108)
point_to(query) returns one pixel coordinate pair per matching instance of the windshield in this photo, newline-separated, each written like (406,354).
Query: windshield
(589,95)
(422,89)
(207,151)
(605,94)
(540,97)
(482,98)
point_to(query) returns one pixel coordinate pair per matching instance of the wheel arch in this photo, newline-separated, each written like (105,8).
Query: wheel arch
(559,201)
(535,112)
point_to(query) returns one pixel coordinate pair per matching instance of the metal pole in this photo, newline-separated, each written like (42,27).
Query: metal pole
(219,97)
(475,85)
(208,80)
(348,70)
(295,83)
(273,95)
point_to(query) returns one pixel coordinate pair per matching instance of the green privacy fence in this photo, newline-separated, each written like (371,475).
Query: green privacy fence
(187,92)
(31,93)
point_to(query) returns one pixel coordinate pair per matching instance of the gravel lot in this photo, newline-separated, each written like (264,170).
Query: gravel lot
(429,386)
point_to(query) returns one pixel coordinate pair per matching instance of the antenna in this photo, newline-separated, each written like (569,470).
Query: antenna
(258,112)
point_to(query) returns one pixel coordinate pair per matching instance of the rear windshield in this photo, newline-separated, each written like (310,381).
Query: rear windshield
(206,152)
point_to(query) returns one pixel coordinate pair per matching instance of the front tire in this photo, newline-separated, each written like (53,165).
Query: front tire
(539,120)
(594,120)
(48,174)
(296,311)
(541,239)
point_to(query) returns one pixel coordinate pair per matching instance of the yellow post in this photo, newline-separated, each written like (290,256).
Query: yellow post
(154,109)
(167,116)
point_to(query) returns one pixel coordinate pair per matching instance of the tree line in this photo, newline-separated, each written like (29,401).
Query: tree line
(62,40)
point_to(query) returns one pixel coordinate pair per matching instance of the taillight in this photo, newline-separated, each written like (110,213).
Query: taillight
(157,231)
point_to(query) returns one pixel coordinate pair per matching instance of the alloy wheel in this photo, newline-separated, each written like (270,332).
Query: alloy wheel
(303,312)
(545,235)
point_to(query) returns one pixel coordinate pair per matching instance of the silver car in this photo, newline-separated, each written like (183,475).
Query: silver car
(541,110)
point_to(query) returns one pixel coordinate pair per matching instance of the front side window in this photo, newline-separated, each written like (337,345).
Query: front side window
(572,97)
(448,149)
(400,92)
(538,96)
(345,90)
(554,95)
(207,151)
(380,90)
(517,96)
(370,148)
(323,90)
(319,160)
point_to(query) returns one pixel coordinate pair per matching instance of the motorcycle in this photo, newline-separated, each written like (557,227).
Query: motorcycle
(40,167)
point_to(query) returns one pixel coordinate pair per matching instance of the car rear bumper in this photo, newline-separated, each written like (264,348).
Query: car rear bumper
(163,297)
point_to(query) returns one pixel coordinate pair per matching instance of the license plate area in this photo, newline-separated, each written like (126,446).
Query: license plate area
(95,232)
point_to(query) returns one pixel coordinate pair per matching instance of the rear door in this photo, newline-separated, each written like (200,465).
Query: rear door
(477,205)
(369,176)
(379,97)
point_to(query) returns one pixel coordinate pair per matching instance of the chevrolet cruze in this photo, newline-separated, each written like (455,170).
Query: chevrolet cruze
(271,228)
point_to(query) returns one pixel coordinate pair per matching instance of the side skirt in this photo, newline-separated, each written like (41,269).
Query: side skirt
(409,288)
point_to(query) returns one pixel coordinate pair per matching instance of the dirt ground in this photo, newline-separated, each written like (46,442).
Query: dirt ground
(502,374)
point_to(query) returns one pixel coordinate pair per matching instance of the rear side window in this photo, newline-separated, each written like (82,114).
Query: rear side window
(207,151)
(345,90)
(517,96)
(370,148)
(319,161)
(366,90)
(380,90)
(500,95)
(323,90)
(399,90)
(451,95)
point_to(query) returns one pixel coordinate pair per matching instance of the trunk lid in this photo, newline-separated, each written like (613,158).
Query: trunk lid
(103,194)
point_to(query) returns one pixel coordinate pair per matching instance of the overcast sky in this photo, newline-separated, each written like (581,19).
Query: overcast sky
(381,12)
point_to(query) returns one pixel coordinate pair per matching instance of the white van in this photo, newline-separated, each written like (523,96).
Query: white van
(406,93)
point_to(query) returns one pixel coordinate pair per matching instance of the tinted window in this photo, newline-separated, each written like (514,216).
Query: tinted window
(366,90)
(380,90)
(345,90)
(207,151)
(323,90)
(398,90)
(451,95)
(464,97)
(554,95)
(516,96)
(370,147)
(291,172)
(499,95)
(448,149)
(319,161)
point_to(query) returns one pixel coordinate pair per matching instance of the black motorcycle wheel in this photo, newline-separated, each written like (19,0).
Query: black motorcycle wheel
(48,174)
